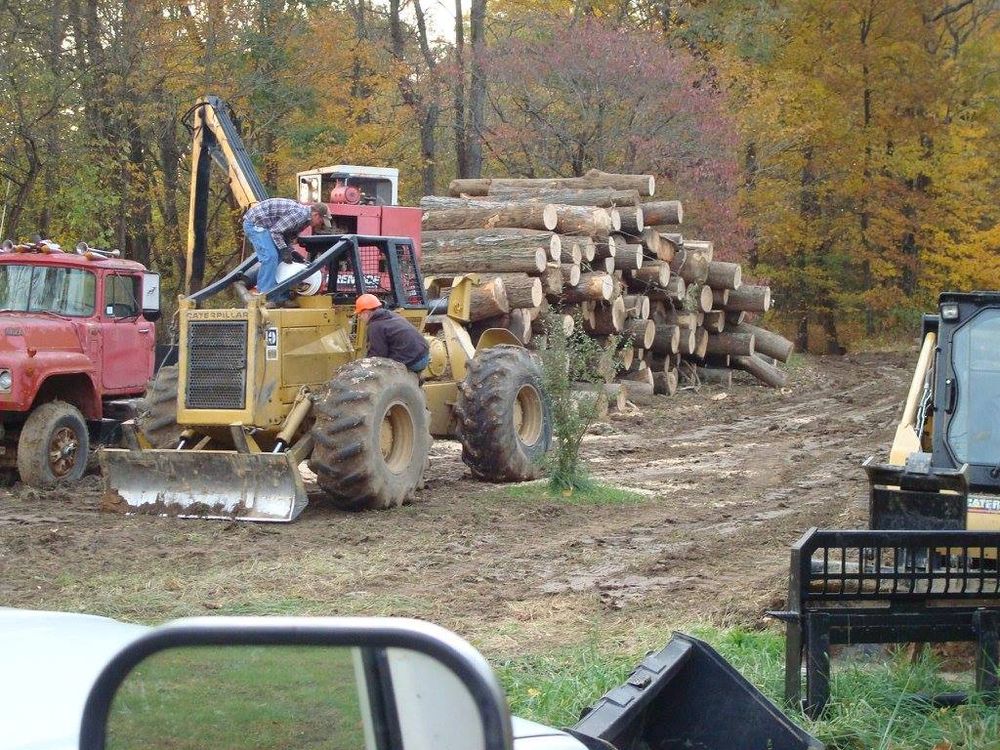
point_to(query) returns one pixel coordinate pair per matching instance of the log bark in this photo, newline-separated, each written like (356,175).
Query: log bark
(642,332)
(637,306)
(571,252)
(717,360)
(719,298)
(665,382)
(765,373)
(650,241)
(733,344)
(616,219)
(724,275)
(750,298)
(644,184)
(735,317)
(522,290)
(488,300)
(605,246)
(702,248)
(599,197)
(675,288)
(700,342)
(608,319)
(666,339)
(638,392)
(631,219)
(588,250)
(552,281)
(592,286)
(582,220)
(466,240)
(663,212)
(766,342)
(690,341)
(539,216)
(484,259)
(681,318)
(699,298)
(668,248)
(652,272)
(614,391)
(630,259)
(691,267)
(570,274)
(715,321)
(716,376)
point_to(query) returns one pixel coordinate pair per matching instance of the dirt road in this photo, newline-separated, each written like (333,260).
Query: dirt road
(729,482)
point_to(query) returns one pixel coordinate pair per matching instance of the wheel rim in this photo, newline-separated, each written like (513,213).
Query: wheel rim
(396,438)
(528,415)
(62,451)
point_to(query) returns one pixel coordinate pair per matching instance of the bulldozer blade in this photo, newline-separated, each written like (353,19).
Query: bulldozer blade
(223,485)
(688,696)
(916,495)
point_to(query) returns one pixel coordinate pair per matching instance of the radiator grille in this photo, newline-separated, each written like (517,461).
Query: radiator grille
(217,365)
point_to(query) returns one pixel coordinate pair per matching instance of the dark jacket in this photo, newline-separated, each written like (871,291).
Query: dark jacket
(391,335)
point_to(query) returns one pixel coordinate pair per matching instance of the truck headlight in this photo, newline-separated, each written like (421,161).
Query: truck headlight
(6,380)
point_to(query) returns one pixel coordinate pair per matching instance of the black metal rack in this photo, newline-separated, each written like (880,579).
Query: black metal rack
(857,587)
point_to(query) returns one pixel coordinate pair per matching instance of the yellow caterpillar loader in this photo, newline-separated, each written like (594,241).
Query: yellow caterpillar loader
(944,466)
(258,391)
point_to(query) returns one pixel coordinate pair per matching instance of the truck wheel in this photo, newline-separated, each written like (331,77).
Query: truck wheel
(504,419)
(53,446)
(157,419)
(372,435)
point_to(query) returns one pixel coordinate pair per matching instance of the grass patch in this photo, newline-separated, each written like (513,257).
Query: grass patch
(870,706)
(592,493)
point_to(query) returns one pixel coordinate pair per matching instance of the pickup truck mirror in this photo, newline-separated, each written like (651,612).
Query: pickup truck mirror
(151,296)
(254,682)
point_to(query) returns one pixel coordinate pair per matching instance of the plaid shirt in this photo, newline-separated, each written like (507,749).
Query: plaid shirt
(282,217)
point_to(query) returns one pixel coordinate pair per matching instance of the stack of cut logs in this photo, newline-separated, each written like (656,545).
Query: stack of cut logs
(588,249)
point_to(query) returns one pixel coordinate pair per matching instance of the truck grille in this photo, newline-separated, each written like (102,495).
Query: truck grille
(217,365)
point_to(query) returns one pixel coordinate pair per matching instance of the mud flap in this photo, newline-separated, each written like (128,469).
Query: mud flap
(688,696)
(222,485)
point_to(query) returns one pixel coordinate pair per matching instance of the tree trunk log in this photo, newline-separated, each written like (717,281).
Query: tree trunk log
(666,339)
(630,259)
(717,360)
(733,344)
(766,342)
(465,240)
(724,275)
(541,216)
(702,248)
(735,317)
(484,259)
(592,286)
(616,219)
(691,267)
(644,184)
(614,391)
(632,219)
(715,321)
(522,290)
(642,332)
(582,220)
(552,281)
(637,306)
(599,197)
(570,274)
(700,342)
(663,212)
(750,298)
(605,246)
(689,341)
(767,374)
(665,382)
(488,300)
(668,248)
(681,318)
(570,250)
(652,272)
(699,298)
(608,319)
(719,298)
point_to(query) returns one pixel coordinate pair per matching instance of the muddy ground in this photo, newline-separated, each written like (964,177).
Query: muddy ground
(728,481)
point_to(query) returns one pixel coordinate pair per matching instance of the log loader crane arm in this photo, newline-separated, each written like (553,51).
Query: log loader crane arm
(215,138)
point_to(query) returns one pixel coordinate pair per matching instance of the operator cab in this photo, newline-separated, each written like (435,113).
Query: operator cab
(350,184)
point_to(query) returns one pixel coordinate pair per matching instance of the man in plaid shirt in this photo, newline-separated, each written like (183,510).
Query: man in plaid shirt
(270,226)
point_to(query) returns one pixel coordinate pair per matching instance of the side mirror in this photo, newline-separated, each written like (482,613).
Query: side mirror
(151,296)
(254,682)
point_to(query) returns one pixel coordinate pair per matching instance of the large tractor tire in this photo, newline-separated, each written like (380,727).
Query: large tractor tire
(53,445)
(157,420)
(504,419)
(372,435)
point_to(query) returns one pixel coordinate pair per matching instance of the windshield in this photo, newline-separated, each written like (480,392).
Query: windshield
(974,429)
(64,291)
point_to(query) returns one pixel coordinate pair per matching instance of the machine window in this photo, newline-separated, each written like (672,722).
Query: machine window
(974,428)
(121,296)
(64,291)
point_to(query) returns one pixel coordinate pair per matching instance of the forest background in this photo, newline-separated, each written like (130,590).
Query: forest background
(845,150)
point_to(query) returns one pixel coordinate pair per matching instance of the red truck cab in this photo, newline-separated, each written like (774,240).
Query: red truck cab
(77,346)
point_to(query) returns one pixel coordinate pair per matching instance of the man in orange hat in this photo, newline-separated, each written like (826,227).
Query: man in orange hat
(391,335)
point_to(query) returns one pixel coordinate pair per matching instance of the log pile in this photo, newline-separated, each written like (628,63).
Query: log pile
(598,249)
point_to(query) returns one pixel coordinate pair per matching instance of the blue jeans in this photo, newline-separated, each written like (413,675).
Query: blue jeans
(267,254)
(420,364)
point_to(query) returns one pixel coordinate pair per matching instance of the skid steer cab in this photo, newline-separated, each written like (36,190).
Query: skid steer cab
(257,392)
(944,467)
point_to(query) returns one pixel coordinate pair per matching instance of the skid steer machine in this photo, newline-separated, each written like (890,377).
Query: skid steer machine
(943,470)
(258,391)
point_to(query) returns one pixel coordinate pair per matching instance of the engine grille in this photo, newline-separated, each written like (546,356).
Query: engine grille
(217,365)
